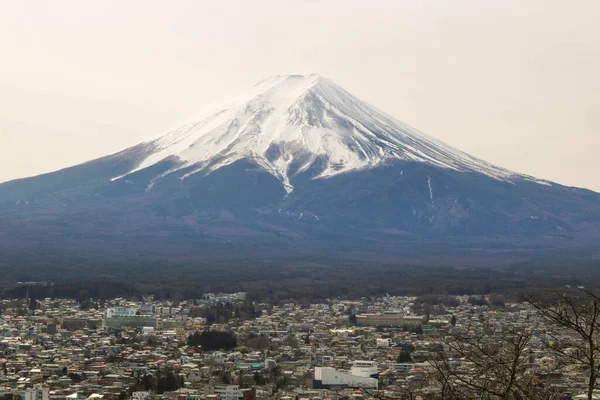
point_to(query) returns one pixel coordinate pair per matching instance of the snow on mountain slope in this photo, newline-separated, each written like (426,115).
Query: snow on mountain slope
(303,119)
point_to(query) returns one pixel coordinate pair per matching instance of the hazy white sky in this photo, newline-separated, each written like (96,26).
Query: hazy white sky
(514,82)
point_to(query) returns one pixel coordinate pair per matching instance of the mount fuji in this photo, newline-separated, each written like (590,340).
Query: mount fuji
(297,165)
(298,121)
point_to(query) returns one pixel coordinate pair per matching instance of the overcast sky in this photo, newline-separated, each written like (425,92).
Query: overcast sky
(515,82)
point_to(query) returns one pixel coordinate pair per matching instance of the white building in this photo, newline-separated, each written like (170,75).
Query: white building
(366,369)
(344,333)
(226,392)
(330,378)
(148,330)
(402,367)
(140,395)
(120,312)
(147,309)
(38,392)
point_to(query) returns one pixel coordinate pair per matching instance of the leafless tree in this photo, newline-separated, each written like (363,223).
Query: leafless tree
(577,312)
(488,365)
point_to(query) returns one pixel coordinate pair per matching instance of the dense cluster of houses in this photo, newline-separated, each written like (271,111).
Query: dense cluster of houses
(54,350)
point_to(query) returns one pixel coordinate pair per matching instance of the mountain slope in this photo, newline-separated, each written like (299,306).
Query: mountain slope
(295,166)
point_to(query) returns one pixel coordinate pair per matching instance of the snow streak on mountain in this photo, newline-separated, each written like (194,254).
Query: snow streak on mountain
(302,121)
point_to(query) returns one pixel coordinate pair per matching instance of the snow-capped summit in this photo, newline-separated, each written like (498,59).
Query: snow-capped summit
(302,119)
